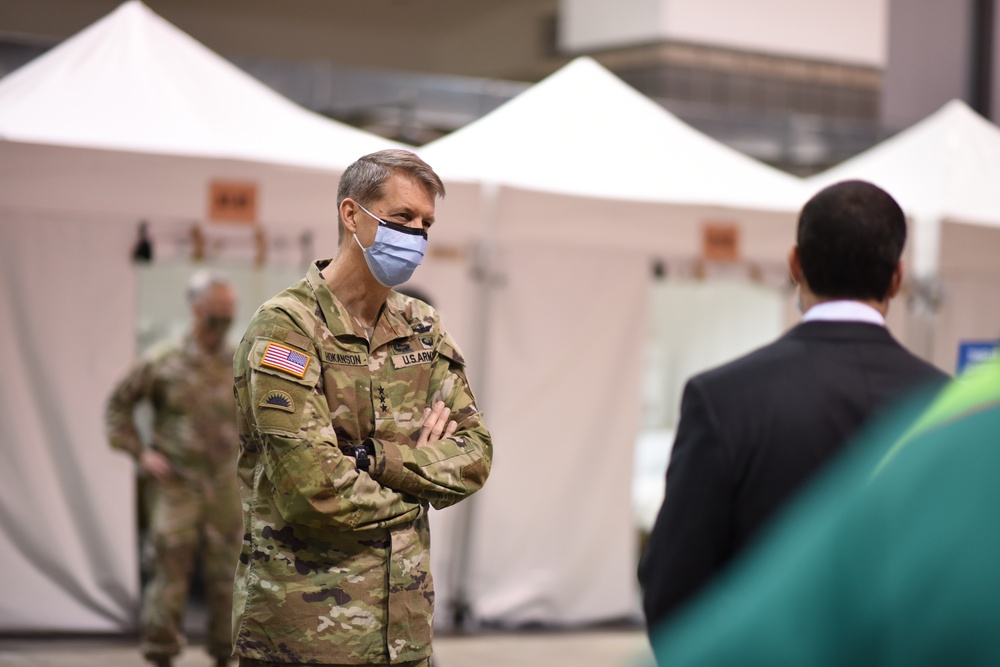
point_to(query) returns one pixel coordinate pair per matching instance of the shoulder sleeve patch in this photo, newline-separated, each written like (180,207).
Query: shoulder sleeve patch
(284,360)
(278,400)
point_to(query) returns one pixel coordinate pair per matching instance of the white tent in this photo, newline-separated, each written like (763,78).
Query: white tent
(945,173)
(130,119)
(584,132)
(574,188)
(133,82)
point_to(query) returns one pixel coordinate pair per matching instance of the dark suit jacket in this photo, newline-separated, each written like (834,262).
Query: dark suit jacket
(752,431)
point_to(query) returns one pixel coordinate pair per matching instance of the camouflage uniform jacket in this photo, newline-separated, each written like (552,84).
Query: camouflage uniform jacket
(193,409)
(335,564)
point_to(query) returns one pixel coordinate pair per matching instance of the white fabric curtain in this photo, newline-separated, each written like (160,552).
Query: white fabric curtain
(553,540)
(67,510)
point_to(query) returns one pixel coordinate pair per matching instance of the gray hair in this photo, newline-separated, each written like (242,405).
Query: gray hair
(364,180)
(204,280)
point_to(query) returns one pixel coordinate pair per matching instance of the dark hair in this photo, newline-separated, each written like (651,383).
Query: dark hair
(364,179)
(850,239)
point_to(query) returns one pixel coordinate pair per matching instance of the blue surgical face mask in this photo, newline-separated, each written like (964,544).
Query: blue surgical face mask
(396,253)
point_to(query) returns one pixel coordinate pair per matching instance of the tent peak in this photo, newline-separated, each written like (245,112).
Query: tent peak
(943,167)
(958,108)
(133,6)
(956,103)
(132,81)
(584,131)
(135,13)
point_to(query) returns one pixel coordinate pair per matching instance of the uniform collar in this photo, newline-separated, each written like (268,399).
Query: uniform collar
(391,323)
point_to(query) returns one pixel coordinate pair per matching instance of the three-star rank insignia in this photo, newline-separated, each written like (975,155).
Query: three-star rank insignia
(278,400)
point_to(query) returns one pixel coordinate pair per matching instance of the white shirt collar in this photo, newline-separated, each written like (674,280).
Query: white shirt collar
(843,311)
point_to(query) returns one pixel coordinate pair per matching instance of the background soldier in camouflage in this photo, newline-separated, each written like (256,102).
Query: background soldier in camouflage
(355,414)
(193,460)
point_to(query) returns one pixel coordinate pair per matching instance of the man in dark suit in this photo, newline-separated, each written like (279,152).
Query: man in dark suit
(752,431)
(889,560)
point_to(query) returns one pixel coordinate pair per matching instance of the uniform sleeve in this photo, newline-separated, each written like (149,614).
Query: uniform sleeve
(119,423)
(690,539)
(287,418)
(450,469)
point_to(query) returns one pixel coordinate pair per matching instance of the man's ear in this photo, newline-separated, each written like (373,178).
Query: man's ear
(795,265)
(897,279)
(348,212)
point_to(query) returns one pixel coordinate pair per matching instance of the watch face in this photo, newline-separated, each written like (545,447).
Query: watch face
(361,454)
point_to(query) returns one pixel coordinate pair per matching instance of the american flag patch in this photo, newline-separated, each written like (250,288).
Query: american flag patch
(285,359)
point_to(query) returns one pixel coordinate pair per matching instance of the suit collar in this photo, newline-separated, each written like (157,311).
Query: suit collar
(831,330)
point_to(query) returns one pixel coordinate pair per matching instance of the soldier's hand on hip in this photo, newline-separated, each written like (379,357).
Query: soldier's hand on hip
(436,424)
(156,464)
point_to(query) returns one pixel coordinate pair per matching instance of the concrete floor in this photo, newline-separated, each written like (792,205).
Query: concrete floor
(598,648)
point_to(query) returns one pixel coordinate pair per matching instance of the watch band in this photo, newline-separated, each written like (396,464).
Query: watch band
(368,446)
(361,456)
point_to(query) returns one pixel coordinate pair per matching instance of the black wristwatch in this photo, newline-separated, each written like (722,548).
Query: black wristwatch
(363,453)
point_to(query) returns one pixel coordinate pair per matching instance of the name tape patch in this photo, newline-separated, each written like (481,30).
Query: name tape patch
(344,359)
(285,359)
(412,358)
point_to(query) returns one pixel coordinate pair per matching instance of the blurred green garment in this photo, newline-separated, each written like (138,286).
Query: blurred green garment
(892,558)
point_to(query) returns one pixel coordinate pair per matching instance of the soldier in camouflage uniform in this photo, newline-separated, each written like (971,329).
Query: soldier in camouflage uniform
(354,415)
(192,459)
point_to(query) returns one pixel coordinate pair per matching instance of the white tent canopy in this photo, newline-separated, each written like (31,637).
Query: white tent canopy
(945,173)
(128,120)
(946,167)
(582,131)
(131,116)
(569,192)
(134,82)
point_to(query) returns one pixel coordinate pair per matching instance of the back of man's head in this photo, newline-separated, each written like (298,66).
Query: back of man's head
(850,239)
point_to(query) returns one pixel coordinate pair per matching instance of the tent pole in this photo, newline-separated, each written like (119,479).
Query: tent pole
(484,274)
(924,303)
(927,295)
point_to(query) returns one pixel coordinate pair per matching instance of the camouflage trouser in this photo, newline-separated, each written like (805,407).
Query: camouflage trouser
(250,662)
(184,518)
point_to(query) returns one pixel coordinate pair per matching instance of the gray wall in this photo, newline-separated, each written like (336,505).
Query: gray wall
(927,61)
(505,39)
